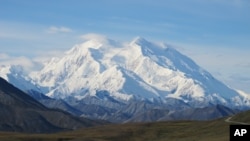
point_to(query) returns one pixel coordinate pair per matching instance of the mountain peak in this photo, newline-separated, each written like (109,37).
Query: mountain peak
(13,70)
(94,37)
(139,41)
(142,70)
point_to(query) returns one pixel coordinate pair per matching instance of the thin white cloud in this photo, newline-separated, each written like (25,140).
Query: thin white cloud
(28,39)
(239,81)
(93,36)
(244,93)
(3,56)
(241,77)
(61,29)
(45,56)
(230,65)
(26,63)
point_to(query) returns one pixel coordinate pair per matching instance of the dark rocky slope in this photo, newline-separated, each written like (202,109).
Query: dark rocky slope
(20,112)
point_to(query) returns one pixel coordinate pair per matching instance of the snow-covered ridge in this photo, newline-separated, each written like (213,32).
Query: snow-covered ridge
(16,76)
(138,70)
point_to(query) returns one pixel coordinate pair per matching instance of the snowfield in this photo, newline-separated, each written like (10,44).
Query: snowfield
(136,71)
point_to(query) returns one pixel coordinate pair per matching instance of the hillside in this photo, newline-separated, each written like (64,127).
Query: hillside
(215,130)
(20,112)
(242,117)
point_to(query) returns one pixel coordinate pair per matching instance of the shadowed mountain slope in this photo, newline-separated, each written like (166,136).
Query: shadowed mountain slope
(20,112)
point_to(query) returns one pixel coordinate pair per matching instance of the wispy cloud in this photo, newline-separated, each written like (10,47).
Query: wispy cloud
(230,65)
(3,56)
(239,81)
(26,63)
(93,36)
(45,56)
(238,77)
(59,29)
(29,39)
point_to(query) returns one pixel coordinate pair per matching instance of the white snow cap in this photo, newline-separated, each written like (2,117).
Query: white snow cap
(139,70)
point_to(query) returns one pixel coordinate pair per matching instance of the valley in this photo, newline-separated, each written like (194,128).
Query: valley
(215,130)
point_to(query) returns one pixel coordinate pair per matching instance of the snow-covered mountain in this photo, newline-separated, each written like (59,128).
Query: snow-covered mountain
(16,76)
(135,71)
(121,82)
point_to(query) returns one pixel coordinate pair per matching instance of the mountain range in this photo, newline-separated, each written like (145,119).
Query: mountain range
(19,112)
(125,82)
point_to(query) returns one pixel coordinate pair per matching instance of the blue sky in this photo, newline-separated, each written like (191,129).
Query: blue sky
(215,33)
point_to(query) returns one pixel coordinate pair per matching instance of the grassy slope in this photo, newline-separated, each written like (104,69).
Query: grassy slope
(217,130)
(242,117)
